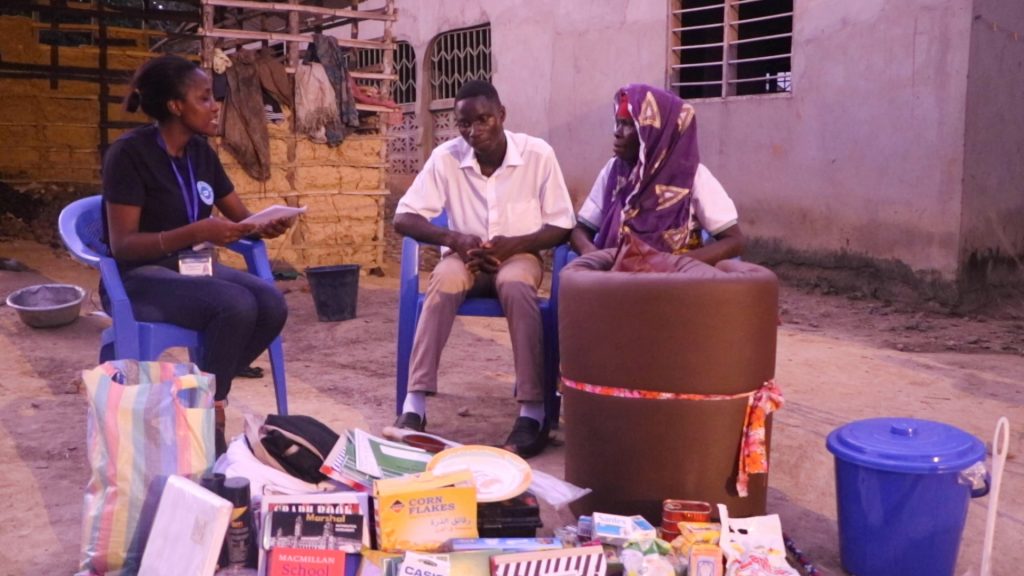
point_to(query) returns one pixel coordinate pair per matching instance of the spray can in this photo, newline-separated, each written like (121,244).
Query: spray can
(214,482)
(240,541)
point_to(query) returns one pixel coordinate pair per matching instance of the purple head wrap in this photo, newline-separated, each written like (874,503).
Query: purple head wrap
(651,200)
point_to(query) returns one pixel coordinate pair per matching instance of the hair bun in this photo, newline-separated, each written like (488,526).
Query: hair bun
(131,103)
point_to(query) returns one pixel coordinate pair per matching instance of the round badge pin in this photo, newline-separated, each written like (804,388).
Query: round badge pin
(205,192)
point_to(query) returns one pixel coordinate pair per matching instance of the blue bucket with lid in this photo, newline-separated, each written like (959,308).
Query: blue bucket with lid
(902,489)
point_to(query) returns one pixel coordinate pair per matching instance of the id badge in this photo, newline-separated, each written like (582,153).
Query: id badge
(196,262)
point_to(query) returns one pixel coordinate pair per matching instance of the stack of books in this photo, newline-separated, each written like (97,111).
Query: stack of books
(359,458)
(313,533)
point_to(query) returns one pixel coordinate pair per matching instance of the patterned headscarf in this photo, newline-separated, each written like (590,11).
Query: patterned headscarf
(651,200)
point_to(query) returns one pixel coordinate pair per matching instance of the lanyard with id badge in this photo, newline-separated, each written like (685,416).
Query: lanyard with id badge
(197,261)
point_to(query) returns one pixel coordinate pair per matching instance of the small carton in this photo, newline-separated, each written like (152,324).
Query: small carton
(612,528)
(503,544)
(641,529)
(585,528)
(705,560)
(691,533)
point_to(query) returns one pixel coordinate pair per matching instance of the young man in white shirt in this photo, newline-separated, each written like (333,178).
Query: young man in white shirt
(506,200)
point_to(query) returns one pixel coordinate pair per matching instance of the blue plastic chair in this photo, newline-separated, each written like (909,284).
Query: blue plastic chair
(81,230)
(410,304)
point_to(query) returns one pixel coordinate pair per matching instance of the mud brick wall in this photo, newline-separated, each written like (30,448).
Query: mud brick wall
(343,189)
(53,135)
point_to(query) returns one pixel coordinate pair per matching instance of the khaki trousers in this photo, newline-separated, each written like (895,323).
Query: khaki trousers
(516,286)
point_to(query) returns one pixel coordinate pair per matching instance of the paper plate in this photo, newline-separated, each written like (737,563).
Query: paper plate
(498,474)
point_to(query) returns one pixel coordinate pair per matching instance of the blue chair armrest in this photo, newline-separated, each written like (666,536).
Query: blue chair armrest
(256,260)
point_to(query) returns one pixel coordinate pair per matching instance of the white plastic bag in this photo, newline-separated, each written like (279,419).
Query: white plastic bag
(753,546)
(558,493)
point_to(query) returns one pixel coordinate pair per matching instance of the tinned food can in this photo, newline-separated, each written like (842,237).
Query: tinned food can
(673,511)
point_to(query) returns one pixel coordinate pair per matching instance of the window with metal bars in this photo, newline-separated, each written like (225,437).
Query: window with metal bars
(457,57)
(724,48)
(404,90)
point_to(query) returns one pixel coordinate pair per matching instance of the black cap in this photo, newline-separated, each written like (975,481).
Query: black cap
(212,481)
(236,491)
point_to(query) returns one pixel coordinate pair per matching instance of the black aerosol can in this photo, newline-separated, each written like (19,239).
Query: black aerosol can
(240,541)
(214,482)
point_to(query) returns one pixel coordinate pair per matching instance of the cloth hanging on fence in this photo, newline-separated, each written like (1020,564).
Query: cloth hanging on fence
(760,403)
(245,124)
(316,106)
(274,78)
(326,51)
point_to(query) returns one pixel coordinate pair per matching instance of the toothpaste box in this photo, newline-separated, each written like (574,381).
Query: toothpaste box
(504,544)
(612,528)
(641,529)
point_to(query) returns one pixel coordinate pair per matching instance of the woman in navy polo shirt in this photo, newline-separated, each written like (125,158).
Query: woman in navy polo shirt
(160,184)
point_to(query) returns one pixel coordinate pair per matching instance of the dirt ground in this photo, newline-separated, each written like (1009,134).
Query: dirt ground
(840,358)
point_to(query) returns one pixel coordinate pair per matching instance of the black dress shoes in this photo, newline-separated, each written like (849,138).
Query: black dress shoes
(528,437)
(411,421)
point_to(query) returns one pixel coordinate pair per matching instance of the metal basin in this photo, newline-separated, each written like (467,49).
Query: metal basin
(47,305)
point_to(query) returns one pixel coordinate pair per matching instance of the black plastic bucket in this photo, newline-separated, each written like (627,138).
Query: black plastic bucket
(334,290)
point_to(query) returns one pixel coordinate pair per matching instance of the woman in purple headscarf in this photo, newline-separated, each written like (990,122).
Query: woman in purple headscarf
(655,188)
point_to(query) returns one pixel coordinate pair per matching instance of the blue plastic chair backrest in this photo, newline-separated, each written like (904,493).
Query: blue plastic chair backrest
(81,230)
(440,220)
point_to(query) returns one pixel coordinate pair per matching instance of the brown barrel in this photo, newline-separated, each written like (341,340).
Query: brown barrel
(699,330)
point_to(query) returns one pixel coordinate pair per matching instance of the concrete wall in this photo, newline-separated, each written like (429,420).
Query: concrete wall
(992,243)
(555,65)
(865,156)
(863,164)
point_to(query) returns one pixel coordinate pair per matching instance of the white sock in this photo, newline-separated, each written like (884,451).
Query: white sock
(415,402)
(533,410)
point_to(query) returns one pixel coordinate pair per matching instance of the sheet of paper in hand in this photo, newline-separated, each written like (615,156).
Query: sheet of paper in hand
(271,213)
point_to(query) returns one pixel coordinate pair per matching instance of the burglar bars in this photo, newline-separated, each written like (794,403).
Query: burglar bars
(723,48)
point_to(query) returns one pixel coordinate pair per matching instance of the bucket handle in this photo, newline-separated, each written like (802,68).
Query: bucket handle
(977,477)
(1000,448)
(983,490)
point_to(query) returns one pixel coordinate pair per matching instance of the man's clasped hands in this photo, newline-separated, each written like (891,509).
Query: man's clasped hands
(481,256)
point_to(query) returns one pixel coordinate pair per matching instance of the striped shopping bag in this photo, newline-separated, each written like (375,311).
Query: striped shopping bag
(146,421)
